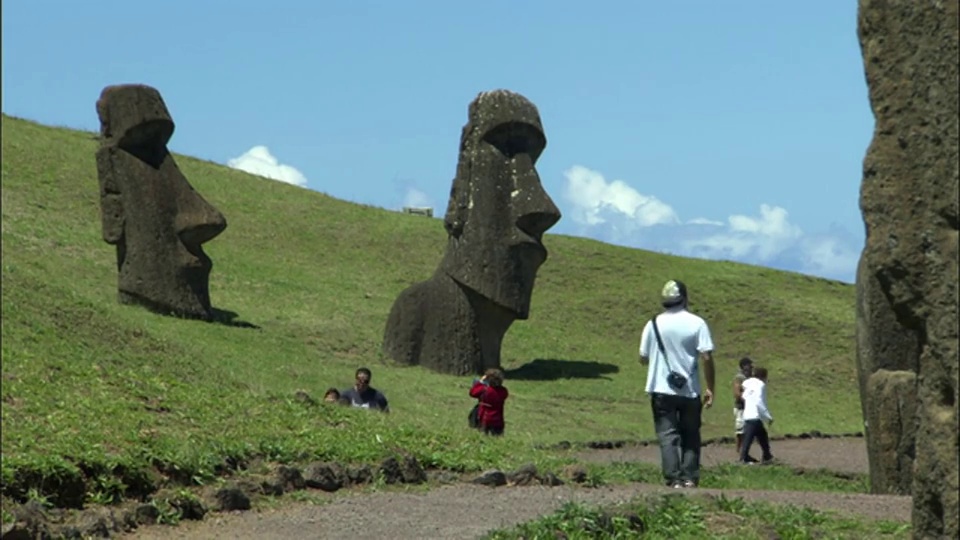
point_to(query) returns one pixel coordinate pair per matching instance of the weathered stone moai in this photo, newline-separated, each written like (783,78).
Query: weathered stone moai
(498,211)
(907,278)
(888,361)
(148,209)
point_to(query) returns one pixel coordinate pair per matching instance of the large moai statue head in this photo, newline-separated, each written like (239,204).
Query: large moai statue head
(908,276)
(455,321)
(149,211)
(498,209)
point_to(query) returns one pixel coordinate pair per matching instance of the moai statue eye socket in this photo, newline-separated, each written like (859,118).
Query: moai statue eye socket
(512,138)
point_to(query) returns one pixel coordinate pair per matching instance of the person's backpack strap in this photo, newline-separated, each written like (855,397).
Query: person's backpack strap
(663,351)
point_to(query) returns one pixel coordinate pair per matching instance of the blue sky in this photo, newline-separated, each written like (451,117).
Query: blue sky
(723,130)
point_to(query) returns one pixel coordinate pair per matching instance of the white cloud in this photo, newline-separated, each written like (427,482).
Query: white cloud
(258,160)
(705,221)
(829,256)
(757,239)
(593,198)
(616,212)
(416,198)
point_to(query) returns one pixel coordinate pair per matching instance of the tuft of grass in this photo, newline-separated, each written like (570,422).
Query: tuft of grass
(677,516)
(101,398)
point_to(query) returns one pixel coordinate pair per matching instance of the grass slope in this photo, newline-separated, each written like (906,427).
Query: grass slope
(88,381)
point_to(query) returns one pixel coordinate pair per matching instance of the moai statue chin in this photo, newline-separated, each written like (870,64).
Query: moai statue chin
(149,211)
(496,217)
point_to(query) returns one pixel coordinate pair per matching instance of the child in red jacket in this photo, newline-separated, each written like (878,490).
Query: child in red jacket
(492,394)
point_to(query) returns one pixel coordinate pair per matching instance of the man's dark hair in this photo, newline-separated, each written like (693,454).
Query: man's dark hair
(333,391)
(760,372)
(363,371)
(745,361)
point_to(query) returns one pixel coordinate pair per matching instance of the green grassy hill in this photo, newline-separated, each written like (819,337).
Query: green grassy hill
(89,382)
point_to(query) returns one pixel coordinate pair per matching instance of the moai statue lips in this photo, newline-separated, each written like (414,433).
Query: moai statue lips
(149,210)
(498,209)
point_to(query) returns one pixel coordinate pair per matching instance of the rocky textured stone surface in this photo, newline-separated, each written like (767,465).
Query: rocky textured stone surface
(498,211)
(887,361)
(326,476)
(907,281)
(148,209)
(492,478)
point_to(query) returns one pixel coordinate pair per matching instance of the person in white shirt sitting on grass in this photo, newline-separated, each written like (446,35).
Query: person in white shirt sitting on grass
(755,413)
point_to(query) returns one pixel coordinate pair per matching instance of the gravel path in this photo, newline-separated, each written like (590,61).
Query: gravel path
(468,511)
(847,455)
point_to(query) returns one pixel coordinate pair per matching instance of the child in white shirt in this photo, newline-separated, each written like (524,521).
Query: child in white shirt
(755,413)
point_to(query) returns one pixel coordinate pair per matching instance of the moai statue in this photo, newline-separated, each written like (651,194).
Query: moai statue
(148,209)
(498,211)
(908,274)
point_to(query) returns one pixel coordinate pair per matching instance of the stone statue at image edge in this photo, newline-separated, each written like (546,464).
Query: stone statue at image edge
(907,279)
(497,214)
(149,211)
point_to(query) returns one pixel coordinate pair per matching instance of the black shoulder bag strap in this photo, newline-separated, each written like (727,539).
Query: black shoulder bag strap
(660,343)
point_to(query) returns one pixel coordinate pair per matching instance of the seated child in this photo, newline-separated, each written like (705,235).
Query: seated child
(332,395)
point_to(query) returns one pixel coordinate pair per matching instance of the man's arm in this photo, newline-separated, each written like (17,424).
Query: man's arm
(737,389)
(762,406)
(383,403)
(645,345)
(705,346)
(706,360)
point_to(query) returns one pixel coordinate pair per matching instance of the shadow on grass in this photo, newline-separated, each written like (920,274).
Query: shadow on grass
(229,318)
(550,369)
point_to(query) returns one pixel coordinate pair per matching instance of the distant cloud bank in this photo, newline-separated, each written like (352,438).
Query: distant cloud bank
(407,193)
(258,160)
(615,212)
(416,198)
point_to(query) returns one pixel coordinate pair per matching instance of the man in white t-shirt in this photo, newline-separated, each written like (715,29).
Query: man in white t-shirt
(673,382)
(755,413)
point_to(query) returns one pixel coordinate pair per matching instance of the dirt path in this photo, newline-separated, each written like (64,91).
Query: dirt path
(847,455)
(468,511)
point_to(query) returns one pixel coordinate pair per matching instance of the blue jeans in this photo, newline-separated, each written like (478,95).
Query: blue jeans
(677,422)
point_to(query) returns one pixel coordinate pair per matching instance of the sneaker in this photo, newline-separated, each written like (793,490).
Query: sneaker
(769,461)
(689,484)
(676,484)
(751,459)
